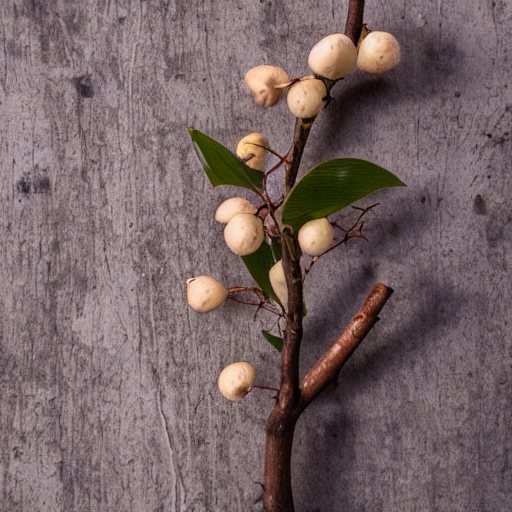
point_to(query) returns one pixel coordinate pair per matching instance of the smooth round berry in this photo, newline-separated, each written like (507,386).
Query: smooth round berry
(378,52)
(333,57)
(231,207)
(236,380)
(315,237)
(204,293)
(306,98)
(278,282)
(244,234)
(252,150)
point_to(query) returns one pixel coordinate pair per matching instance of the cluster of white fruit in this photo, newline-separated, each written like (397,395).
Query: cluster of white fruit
(332,58)
(204,293)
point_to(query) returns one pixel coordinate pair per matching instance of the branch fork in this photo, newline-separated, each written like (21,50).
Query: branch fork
(294,395)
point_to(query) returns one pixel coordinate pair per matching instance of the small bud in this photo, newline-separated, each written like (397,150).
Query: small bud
(278,282)
(333,57)
(204,293)
(244,234)
(315,237)
(378,52)
(251,151)
(231,207)
(262,82)
(236,380)
(306,98)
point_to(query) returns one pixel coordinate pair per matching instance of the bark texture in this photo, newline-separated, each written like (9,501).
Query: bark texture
(108,398)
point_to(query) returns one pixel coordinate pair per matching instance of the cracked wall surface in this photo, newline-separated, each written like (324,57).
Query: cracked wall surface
(108,398)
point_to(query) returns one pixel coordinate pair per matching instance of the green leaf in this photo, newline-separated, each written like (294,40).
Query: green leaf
(223,167)
(332,185)
(275,341)
(276,249)
(259,263)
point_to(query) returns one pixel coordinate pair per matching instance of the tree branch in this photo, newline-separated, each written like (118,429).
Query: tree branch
(294,156)
(354,20)
(281,423)
(330,364)
(289,390)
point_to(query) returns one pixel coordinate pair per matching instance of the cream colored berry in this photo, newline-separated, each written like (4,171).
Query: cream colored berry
(236,380)
(244,234)
(315,237)
(333,57)
(262,82)
(231,207)
(204,293)
(378,52)
(306,98)
(252,150)
(278,282)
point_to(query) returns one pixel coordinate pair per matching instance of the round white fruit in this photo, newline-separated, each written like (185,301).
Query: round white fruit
(204,293)
(378,52)
(315,237)
(306,98)
(231,207)
(252,150)
(262,82)
(236,380)
(278,282)
(244,234)
(333,57)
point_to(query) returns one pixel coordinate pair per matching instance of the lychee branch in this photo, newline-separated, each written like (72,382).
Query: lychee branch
(329,365)
(353,30)
(294,156)
(290,403)
(354,20)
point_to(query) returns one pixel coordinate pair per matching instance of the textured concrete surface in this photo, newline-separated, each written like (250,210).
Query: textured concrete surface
(107,380)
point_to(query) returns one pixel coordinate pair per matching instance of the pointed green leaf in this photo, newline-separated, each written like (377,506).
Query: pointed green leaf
(275,341)
(332,185)
(259,263)
(223,167)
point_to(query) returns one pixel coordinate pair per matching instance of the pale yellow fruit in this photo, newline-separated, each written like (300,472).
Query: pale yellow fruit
(251,151)
(315,237)
(333,57)
(204,293)
(244,234)
(236,380)
(278,282)
(306,98)
(262,82)
(231,207)
(378,52)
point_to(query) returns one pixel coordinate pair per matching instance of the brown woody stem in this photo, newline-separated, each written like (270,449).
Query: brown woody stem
(354,20)
(294,156)
(280,426)
(329,365)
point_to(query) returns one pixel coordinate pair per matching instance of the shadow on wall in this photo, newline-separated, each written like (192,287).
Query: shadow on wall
(327,435)
(426,70)
(389,238)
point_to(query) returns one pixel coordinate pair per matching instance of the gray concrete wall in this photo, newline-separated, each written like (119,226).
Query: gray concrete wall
(108,381)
